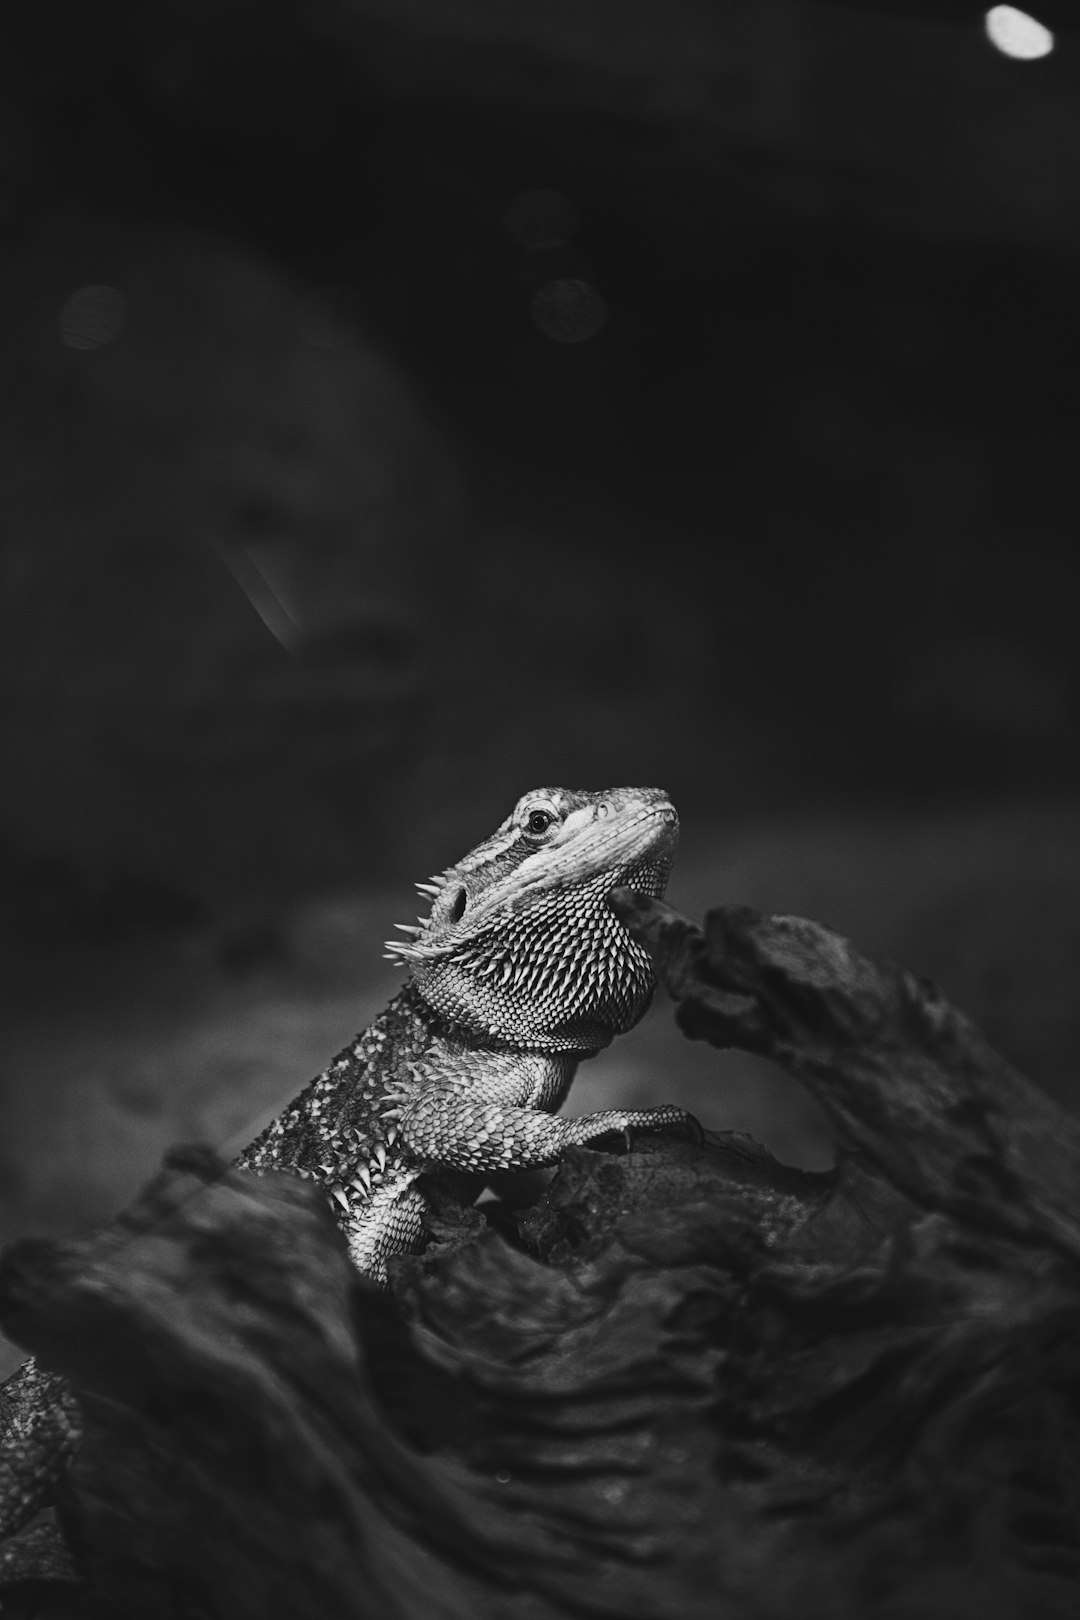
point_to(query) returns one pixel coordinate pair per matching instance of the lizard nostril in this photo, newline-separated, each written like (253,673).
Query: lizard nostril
(669,817)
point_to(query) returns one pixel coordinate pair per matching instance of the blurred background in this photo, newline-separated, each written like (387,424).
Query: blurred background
(405,404)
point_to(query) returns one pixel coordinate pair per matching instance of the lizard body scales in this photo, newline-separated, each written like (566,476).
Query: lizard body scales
(519,970)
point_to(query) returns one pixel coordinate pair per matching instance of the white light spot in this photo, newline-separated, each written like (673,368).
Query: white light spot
(1016,34)
(92,317)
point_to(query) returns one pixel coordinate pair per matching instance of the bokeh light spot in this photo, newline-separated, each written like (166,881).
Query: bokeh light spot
(569,310)
(542,218)
(1016,34)
(92,317)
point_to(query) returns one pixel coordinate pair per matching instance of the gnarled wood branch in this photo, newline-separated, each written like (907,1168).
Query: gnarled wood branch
(689,1381)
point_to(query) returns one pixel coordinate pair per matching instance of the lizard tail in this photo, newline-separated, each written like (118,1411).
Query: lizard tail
(39,1431)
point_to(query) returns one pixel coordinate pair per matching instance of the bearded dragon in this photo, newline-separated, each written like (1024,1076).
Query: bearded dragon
(518,970)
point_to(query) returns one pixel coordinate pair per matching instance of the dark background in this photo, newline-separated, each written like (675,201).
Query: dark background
(405,403)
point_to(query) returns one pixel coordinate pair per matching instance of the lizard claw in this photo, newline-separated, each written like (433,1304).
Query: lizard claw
(670,1120)
(692,1127)
(689,1126)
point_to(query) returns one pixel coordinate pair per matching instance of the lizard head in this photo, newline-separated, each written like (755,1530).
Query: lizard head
(521,944)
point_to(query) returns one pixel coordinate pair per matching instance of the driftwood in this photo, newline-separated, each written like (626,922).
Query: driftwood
(687,1382)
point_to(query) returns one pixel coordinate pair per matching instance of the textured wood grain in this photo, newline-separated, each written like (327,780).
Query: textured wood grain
(688,1381)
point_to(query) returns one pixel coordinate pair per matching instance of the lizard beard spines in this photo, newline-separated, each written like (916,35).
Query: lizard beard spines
(568,978)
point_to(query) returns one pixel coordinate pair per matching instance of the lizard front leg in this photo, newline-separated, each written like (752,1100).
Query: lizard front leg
(497,1120)
(442,1129)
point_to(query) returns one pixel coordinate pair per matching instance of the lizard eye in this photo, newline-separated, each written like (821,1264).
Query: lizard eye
(538,821)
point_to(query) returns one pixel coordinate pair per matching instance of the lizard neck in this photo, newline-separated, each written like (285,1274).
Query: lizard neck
(560,975)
